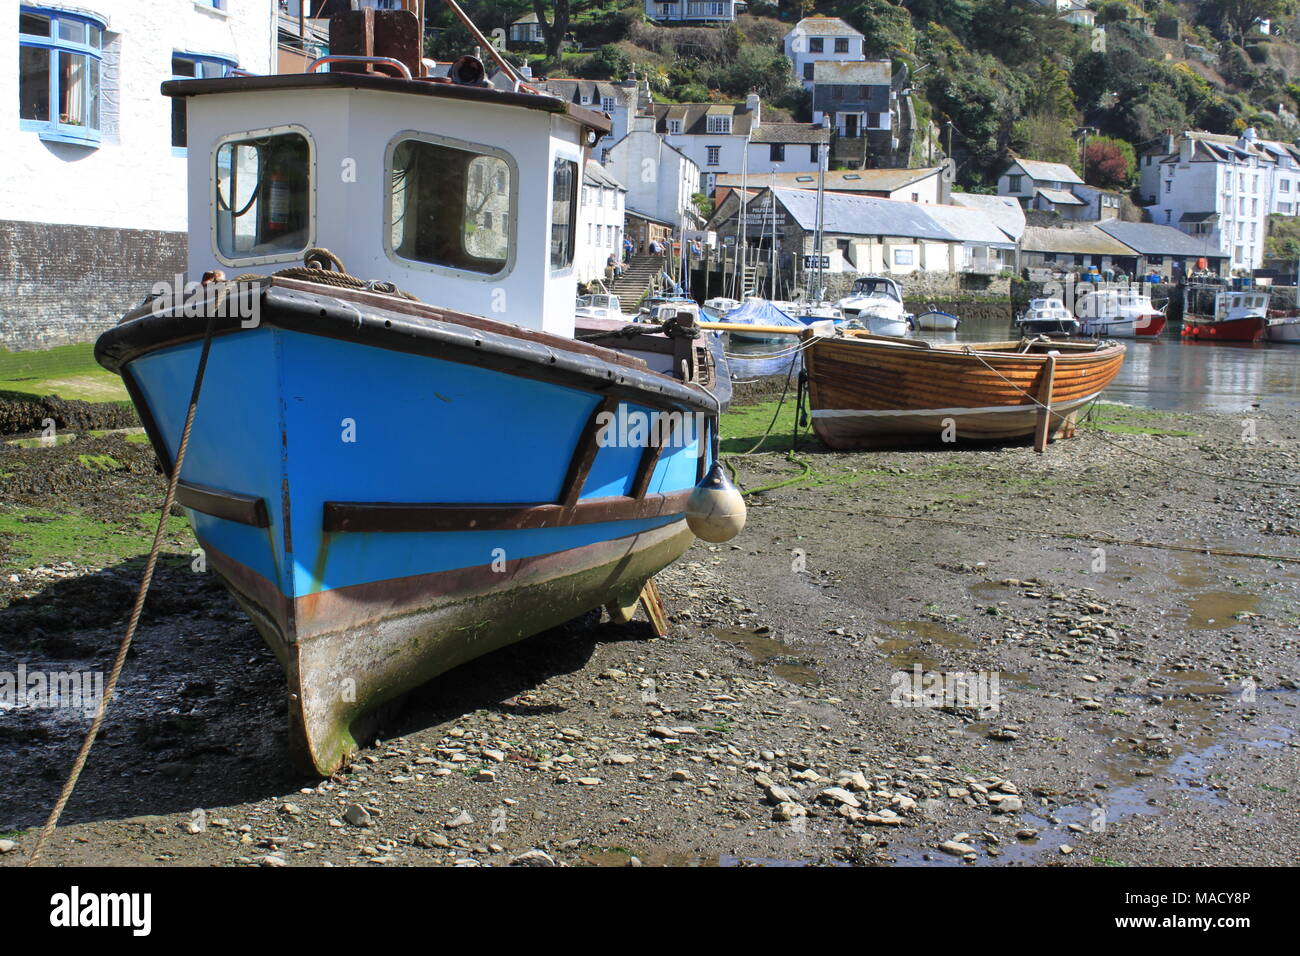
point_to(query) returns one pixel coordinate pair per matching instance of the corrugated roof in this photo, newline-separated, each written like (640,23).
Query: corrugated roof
(1003,211)
(1153,239)
(1084,241)
(1052,172)
(862,73)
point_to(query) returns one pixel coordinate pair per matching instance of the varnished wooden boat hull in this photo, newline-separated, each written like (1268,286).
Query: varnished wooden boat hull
(868,391)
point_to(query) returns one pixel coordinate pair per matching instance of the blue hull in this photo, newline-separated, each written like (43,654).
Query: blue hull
(386,514)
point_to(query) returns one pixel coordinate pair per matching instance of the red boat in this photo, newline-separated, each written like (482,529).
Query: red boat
(1237,317)
(1150,324)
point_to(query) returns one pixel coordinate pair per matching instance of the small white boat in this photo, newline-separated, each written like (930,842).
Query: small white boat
(1283,328)
(936,320)
(760,312)
(721,305)
(1118,314)
(877,303)
(598,306)
(1046,316)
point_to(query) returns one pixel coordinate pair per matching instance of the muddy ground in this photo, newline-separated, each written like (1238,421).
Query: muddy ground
(1135,706)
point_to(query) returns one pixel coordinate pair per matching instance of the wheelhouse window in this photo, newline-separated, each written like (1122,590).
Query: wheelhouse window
(450,206)
(564,212)
(188,66)
(59,57)
(263,196)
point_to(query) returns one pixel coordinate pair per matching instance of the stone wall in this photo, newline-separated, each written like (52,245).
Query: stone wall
(61,284)
(924,287)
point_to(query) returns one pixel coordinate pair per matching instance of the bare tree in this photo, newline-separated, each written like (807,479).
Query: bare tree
(555,28)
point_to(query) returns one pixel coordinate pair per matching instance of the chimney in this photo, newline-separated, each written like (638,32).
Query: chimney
(755,106)
(1185,146)
(1169,142)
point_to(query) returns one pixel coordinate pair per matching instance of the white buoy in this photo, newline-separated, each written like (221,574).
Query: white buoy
(715,511)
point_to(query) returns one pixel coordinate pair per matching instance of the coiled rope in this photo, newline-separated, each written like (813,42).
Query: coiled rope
(324,267)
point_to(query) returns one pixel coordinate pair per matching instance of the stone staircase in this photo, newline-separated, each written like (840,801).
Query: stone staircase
(636,279)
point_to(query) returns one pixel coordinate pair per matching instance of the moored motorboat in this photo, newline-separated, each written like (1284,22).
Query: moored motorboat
(867,391)
(1283,326)
(598,306)
(1236,316)
(936,320)
(762,314)
(1118,313)
(1046,316)
(877,303)
(394,482)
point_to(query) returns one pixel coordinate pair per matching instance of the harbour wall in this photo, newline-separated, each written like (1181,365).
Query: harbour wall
(63,284)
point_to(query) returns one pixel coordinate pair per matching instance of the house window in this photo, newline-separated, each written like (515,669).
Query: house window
(712,152)
(674,127)
(873,121)
(816,45)
(445,209)
(837,92)
(814,153)
(904,257)
(607,104)
(718,124)
(808,71)
(262,196)
(59,57)
(776,153)
(1284,185)
(1013,183)
(841,45)
(564,212)
(1169,186)
(186,66)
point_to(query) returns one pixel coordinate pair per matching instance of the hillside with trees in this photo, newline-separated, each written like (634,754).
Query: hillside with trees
(997,76)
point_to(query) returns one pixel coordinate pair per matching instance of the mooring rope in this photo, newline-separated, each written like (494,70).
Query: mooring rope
(150,564)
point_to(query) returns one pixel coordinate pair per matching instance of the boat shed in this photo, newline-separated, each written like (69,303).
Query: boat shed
(1164,249)
(1074,249)
(869,234)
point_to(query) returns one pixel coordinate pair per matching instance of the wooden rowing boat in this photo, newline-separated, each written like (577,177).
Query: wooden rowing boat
(870,390)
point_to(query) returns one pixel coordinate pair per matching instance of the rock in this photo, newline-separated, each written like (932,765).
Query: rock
(485,776)
(461,819)
(1004,733)
(7,846)
(777,795)
(1067,849)
(953,848)
(855,780)
(496,756)
(1026,834)
(1007,804)
(620,759)
(533,858)
(839,795)
(589,781)
(788,811)
(292,809)
(681,775)
(272,859)
(358,816)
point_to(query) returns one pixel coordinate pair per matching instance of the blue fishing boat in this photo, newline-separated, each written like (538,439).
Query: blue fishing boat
(398,473)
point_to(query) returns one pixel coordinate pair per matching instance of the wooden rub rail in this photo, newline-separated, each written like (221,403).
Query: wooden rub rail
(356,517)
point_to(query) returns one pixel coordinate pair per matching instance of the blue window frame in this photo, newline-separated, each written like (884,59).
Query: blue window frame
(59,58)
(191,66)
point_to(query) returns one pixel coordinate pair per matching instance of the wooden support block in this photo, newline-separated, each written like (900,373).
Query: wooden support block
(1043,427)
(654,608)
(622,613)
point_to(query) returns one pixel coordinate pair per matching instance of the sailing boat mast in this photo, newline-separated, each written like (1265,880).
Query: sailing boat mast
(821,216)
(739,277)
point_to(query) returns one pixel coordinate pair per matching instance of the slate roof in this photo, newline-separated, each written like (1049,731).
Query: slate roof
(1153,239)
(846,72)
(1059,197)
(856,215)
(824,27)
(1004,211)
(842,180)
(1052,172)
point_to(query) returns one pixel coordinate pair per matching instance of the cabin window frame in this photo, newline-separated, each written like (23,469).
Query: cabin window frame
(465,145)
(312,205)
(567,267)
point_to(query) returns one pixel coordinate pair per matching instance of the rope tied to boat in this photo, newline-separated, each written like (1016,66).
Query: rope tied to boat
(137,609)
(324,267)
